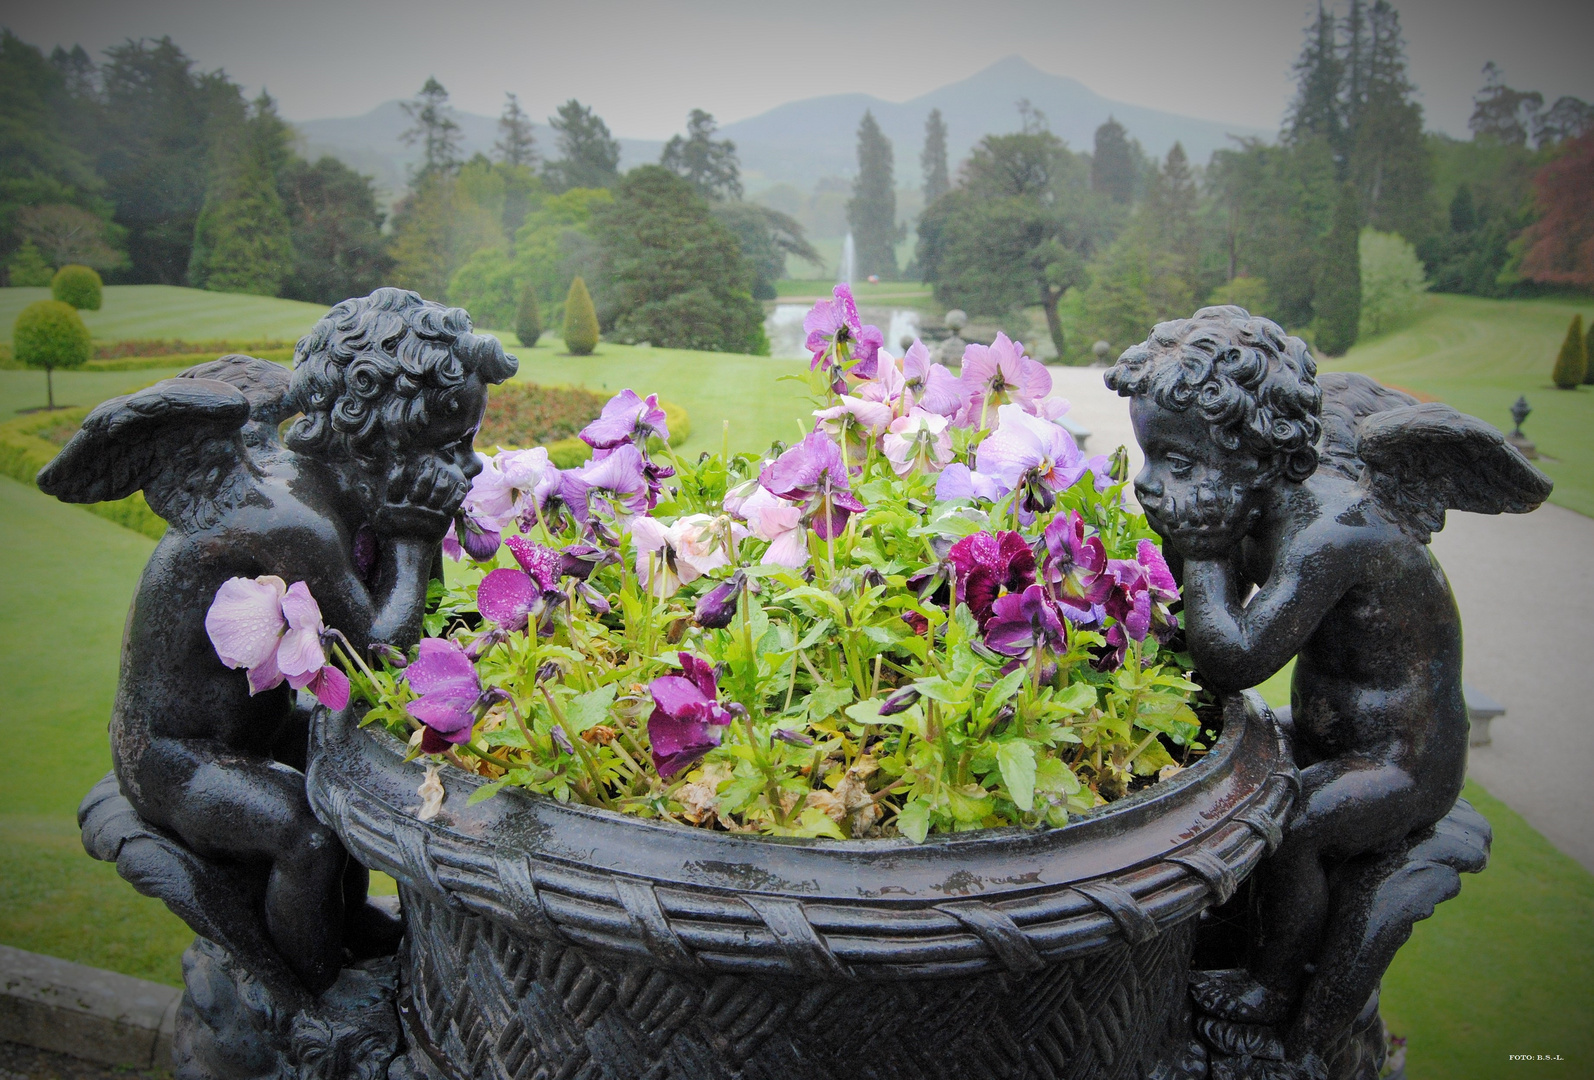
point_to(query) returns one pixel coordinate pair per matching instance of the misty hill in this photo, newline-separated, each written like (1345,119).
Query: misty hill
(802,141)
(805,140)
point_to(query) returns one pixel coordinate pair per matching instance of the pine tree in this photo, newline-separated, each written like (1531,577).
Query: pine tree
(709,165)
(434,129)
(1315,112)
(1170,211)
(1339,288)
(243,241)
(1389,159)
(933,158)
(516,144)
(528,317)
(872,210)
(1113,169)
(591,155)
(581,320)
(1571,363)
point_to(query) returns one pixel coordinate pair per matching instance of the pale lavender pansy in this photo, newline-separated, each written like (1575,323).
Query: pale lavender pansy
(1033,456)
(839,341)
(1000,373)
(958,481)
(813,475)
(918,443)
(449,690)
(627,418)
(274,632)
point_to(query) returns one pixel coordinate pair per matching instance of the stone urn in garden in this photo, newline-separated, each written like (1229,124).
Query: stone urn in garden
(914,749)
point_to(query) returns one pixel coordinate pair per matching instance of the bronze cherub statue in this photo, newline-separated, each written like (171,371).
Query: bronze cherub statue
(1296,512)
(353,500)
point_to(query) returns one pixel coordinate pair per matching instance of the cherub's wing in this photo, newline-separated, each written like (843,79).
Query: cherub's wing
(1348,399)
(180,440)
(1421,460)
(265,385)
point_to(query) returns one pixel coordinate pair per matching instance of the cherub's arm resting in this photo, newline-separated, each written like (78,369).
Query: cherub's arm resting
(401,592)
(1238,644)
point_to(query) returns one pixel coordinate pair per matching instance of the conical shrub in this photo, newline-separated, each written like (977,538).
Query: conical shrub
(528,318)
(581,320)
(1571,366)
(1588,353)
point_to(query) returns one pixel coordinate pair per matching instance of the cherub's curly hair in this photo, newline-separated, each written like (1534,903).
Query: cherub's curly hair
(376,370)
(1255,385)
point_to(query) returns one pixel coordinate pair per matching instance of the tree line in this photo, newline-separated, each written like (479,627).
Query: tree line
(153,171)
(1334,229)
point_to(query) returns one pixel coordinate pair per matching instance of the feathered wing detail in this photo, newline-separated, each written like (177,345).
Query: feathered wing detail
(1421,460)
(180,440)
(1348,399)
(265,385)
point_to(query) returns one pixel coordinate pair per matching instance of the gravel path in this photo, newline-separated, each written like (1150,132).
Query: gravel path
(1525,586)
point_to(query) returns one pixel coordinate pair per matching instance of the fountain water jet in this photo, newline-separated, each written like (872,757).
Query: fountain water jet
(848,258)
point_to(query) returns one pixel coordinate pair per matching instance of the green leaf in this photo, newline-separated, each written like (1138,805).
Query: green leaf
(1076,697)
(590,708)
(485,792)
(1016,758)
(826,700)
(913,821)
(868,712)
(1006,687)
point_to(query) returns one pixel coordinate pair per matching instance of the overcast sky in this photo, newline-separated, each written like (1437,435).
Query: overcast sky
(642,64)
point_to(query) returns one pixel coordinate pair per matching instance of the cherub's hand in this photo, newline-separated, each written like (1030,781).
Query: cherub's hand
(424,501)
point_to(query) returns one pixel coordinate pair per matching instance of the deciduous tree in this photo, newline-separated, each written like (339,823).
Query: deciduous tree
(1559,246)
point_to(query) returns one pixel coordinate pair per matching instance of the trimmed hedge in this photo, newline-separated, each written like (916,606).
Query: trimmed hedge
(24,450)
(523,414)
(79,286)
(142,355)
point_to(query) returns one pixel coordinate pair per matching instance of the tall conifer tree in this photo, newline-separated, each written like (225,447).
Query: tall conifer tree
(434,128)
(1113,167)
(872,211)
(933,158)
(516,144)
(1339,289)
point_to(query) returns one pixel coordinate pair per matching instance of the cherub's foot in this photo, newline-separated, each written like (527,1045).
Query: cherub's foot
(1232,994)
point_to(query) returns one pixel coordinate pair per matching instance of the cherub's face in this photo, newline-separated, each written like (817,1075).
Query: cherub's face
(434,467)
(1201,498)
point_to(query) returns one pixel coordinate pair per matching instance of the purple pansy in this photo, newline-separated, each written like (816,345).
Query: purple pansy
(516,598)
(627,418)
(933,386)
(1034,457)
(1143,588)
(1075,568)
(985,566)
(1023,621)
(855,423)
(687,719)
(274,632)
(450,693)
(839,341)
(1000,373)
(614,484)
(812,475)
(958,481)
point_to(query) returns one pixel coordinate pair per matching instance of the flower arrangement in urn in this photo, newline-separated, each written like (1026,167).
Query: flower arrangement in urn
(932,613)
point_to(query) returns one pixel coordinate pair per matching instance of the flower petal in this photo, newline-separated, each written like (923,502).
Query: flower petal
(507,597)
(330,687)
(245,620)
(443,667)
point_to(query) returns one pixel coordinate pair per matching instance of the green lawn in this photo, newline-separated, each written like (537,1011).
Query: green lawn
(1479,355)
(168,312)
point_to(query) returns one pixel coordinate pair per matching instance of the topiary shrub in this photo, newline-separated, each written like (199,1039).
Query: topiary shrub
(27,267)
(1588,353)
(581,320)
(49,335)
(528,318)
(79,286)
(1571,365)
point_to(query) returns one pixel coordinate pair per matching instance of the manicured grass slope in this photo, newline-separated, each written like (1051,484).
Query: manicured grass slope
(170,312)
(1479,355)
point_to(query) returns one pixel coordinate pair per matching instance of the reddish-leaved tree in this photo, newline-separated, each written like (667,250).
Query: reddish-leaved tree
(1560,245)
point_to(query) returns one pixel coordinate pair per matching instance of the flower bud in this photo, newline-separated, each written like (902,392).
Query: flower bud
(562,740)
(580,560)
(484,644)
(787,735)
(393,658)
(595,599)
(549,671)
(479,543)
(1118,465)
(717,607)
(900,701)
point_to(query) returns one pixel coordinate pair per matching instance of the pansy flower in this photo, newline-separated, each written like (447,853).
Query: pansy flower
(1022,621)
(669,556)
(839,341)
(812,475)
(687,719)
(1034,457)
(933,386)
(451,698)
(627,418)
(1074,568)
(516,598)
(614,485)
(274,632)
(918,442)
(986,566)
(855,423)
(769,517)
(1000,373)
